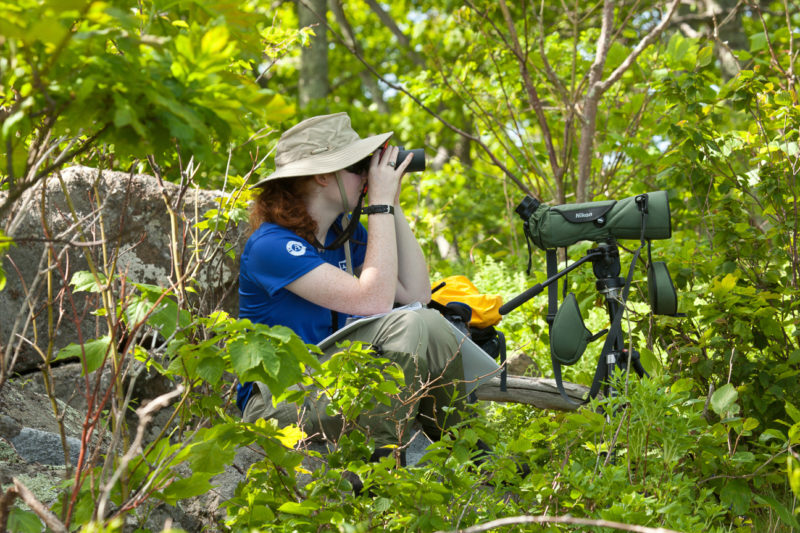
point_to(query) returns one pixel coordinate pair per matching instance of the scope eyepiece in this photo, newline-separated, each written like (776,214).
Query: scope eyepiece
(526,207)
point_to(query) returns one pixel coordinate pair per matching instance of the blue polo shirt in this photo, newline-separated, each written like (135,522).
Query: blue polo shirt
(274,257)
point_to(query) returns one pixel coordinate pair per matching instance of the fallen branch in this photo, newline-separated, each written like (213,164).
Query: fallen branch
(538,392)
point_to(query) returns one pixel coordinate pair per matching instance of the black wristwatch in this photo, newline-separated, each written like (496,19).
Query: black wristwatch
(378,209)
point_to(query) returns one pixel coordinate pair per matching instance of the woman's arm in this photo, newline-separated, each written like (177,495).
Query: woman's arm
(374,291)
(371,293)
(413,281)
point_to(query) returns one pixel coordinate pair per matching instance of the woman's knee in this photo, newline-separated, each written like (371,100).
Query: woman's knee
(438,328)
(404,331)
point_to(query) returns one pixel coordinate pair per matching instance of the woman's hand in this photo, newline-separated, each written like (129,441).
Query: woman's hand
(384,178)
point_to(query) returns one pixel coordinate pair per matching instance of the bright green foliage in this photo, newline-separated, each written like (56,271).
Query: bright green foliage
(738,189)
(355,379)
(141,78)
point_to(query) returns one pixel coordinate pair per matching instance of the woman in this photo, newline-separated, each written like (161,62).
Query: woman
(293,272)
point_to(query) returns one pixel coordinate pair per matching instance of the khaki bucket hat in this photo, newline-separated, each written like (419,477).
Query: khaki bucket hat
(325,143)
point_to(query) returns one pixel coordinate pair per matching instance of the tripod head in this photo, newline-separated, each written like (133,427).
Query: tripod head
(606,268)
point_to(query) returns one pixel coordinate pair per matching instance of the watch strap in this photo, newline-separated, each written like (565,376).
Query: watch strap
(378,209)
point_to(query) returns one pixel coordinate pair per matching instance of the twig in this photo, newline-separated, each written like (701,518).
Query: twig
(515,520)
(145,414)
(753,474)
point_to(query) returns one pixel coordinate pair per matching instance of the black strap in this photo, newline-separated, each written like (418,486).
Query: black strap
(503,373)
(527,232)
(560,383)
(334,321)
(552,289)
(347,232)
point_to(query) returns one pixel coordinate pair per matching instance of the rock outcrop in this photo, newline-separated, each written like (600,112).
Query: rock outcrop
(121,223)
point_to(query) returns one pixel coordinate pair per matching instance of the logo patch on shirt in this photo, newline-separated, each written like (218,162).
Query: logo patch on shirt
(343,265)
(295,248)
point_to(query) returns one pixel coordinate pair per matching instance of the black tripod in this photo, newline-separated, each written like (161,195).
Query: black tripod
(606,268)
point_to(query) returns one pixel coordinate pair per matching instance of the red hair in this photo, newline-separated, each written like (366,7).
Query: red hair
(281,202)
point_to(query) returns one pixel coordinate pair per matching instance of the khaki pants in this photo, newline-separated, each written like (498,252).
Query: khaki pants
(423,344)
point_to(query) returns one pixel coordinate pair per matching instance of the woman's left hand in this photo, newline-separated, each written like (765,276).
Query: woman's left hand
(384,177)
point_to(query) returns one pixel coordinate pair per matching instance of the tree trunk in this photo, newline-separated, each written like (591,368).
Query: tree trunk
(313,83)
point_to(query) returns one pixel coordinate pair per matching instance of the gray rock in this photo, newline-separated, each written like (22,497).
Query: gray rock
(134,223)
(521,364)
(416,448)
(43,447)
(9,428)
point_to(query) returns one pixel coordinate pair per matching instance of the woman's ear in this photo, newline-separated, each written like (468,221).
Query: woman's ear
(323,179)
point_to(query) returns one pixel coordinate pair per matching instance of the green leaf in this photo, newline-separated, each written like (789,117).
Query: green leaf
(189,487)
(85,281)
(304,508)
(23,521)
(737,495)
(705,56)
(95,352)
(723,398)
(750,424)
(214,40)
(9,124)
(388,387)
(792,411)
(770,434)
(278,109)
(682,385)
(211,369)
(793,471)
(169,319)
(678,47)
(5,244)
(251,351)
(210,457)
(758,41)
(649,361)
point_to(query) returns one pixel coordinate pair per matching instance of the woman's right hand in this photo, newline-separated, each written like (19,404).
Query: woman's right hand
(384,179)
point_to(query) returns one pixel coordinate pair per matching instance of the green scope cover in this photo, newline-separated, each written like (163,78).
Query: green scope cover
(568,335)
(563,225)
